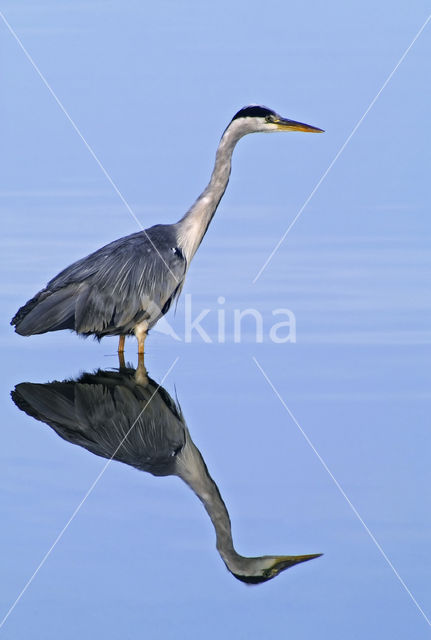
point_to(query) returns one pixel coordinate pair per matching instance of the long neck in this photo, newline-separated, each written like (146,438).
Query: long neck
(193,470)
(192,227)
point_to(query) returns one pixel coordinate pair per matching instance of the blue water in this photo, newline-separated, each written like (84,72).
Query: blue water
(151,89)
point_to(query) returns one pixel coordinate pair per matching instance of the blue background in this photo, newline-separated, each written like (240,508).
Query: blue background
(151,86)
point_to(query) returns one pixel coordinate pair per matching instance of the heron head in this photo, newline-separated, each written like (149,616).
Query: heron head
(256,570)
(255,118)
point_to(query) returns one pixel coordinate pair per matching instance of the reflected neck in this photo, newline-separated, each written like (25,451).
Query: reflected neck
(193,470)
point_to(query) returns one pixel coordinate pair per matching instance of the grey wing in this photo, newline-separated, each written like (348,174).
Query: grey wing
(110,291)
(134,283)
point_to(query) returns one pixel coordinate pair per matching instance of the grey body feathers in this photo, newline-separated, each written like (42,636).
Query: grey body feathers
(112,290)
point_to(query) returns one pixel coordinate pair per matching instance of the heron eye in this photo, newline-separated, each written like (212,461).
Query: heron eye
(269,118)
(177,251)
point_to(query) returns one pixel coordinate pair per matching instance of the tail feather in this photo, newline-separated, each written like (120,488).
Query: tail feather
(47,311)
(28,306)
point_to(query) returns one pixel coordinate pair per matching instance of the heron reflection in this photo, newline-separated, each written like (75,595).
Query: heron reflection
(125,415)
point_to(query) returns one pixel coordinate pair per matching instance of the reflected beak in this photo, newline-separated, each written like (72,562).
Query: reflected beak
(284,562)
(291,125)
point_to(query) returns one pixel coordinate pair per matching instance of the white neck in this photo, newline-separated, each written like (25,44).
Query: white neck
(193,226)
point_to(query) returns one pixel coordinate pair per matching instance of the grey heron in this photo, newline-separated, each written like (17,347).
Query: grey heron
(128,285)
(126,416)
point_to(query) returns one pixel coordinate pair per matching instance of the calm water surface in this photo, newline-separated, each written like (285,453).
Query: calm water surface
(143,546)
(140,557)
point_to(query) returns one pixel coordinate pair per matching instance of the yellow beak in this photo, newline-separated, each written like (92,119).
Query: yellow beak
(291,125)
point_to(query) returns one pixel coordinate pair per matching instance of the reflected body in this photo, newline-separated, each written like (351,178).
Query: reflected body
(126,416)
(127,286)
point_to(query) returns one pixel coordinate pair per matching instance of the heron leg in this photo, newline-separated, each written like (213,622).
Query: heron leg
(141,342)
(141,333)
(121,342)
